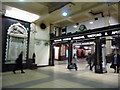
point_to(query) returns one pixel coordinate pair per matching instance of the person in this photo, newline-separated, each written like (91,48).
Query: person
(19,64)
(74,62)
(33,57)
(116,61)
(82,54)
(89,60)
(74,51)
(93,61)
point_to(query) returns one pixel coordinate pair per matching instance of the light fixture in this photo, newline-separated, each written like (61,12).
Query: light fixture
(64,13)
(21,15)
(91,22)
(86,47)
(21,0)
(75,26)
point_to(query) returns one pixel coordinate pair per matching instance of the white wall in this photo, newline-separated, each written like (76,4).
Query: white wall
(37,45)
(101,22)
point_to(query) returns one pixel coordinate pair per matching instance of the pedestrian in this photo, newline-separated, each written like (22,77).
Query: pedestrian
(89,60)
(93,61)
(115,62)
(74,62)
(33,57)
(18,64)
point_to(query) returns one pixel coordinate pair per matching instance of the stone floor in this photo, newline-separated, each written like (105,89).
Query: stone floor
(59,77)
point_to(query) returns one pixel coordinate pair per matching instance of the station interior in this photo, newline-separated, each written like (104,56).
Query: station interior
(52,35)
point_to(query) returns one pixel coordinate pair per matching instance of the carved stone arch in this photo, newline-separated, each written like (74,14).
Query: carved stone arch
(16,42)
(17,30)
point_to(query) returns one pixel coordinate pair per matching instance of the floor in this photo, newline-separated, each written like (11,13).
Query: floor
(59,77)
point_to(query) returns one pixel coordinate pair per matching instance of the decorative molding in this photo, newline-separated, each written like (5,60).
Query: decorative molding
(17,30)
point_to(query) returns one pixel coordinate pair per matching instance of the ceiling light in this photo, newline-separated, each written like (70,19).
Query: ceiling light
(21,15)
(91,22)
(86,47)
(75,26)
(64,13)
(21,0)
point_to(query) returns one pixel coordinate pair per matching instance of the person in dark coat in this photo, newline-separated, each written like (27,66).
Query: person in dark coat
(33,57)
(19,64)
(116,62)
(75,60)
(82,54)
(93,61)
(89,60)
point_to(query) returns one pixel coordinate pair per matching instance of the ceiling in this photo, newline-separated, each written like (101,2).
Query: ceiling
(77,11)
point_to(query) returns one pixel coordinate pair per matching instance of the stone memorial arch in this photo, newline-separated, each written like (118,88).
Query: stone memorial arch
(16,42)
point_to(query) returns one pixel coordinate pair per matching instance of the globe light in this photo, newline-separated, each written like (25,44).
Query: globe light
(64,13)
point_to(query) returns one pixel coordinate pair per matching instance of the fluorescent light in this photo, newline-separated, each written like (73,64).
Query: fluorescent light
(115,32)
(76,37)
(57,40)
(64,13)
(21,15)
(66,39)
(82,37)
(75,26)
(21,0)
(106,34)
(86,47)
(91,22)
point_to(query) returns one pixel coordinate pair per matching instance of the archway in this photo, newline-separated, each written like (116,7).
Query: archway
(16,42)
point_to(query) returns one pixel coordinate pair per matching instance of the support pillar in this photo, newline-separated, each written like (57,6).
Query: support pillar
(52,55)
(69,54)
(108,44)
(98,56)
(92,49)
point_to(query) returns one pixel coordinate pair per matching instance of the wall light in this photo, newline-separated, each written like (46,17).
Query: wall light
(21,0)
(75,26)
(64,13)
(91,22)
(21,15)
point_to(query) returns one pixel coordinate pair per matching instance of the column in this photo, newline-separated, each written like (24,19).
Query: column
(70,54)
(98,56)
(51,60)
(108,44)
(92,49)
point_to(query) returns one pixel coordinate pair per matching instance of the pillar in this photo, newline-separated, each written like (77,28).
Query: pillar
(92,49)
(98,56)
(52,56)
(108,44)
(70,54)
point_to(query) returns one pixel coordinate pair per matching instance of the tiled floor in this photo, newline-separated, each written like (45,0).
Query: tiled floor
(60,77)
